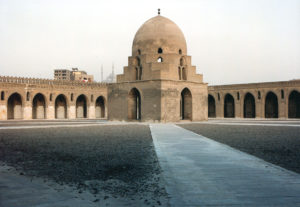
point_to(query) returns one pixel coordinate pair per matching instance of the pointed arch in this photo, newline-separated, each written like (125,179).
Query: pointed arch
(229,109)
(15,106)
(61,109)
(186,107)
(294,105)
(249,106)
(81,106)
(134,104)
(271,105)
(100,107)
(182,61)
(211,106)
(39,106)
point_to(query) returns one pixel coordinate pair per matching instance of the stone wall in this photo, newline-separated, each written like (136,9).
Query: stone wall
(263,104)
(38,96)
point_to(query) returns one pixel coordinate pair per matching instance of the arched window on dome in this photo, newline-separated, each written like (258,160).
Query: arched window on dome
(160,60)
(180,51)
(138,61)
(182,61)
(136,73)
(160,51)
(141,72)
(183,74)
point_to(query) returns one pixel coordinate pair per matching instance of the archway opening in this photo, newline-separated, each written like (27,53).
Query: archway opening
(100,107)
(229,106)
(249,106)
(39,107)
(186,104)
(271,106)
(294,105)
(211,107)
(81,107)
(134,105)
(14,107)
(61,107)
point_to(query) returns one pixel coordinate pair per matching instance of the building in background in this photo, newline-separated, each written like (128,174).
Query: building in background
(80,75)
(74,75)
(62,74)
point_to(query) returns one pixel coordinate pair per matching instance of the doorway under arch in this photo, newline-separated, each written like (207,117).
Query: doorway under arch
(61,107)
(81,107)
(229,106)
(134,105)
(186,104)
(39,107)
(249,106)
(271,106)
(211,106)
(14,107)
(100,107)
(294,105)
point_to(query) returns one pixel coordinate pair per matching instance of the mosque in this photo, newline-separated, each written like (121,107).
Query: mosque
(160,84)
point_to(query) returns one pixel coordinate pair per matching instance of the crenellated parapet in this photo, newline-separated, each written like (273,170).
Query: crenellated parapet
(50,82)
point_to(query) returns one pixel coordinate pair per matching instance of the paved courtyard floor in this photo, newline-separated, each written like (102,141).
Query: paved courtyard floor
(201,172)
(196,170)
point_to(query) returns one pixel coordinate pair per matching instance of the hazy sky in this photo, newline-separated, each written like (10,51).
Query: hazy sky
(230,41)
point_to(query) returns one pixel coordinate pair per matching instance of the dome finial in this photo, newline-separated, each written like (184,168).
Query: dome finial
(158,11)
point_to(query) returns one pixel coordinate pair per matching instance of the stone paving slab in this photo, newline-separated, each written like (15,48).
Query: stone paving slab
(201,172)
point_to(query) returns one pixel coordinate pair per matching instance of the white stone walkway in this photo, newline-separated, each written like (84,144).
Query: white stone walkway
(201,172)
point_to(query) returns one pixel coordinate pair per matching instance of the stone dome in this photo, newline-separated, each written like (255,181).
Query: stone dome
(159,32)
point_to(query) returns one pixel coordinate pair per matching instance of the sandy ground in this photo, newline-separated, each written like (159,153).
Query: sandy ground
(115,163)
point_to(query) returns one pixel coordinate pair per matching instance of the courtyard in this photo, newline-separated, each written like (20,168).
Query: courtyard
(98,163)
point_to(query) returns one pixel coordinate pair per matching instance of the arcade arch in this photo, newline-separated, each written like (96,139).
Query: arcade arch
(14,107)
(134,104)
(39,106)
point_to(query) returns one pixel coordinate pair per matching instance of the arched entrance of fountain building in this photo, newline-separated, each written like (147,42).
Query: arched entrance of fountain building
(134,105)
(186,105)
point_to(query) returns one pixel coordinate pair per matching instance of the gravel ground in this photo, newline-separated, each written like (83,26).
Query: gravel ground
(118,160)
(279,145)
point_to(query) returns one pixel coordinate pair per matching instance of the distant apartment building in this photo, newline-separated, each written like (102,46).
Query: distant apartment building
(72,75)
(62,74)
